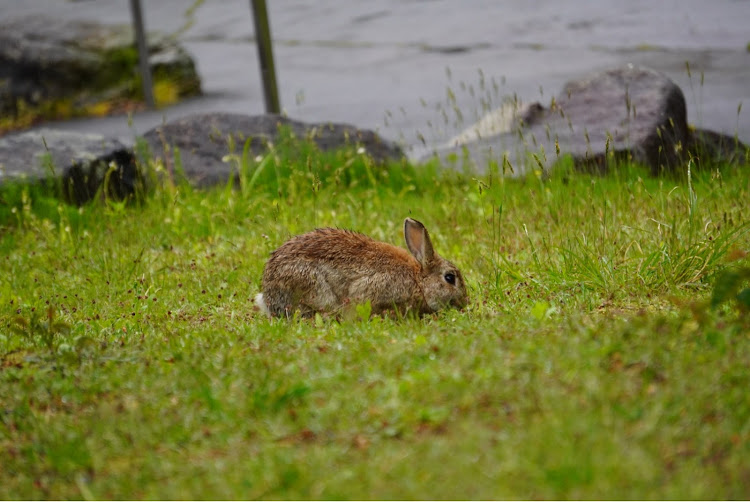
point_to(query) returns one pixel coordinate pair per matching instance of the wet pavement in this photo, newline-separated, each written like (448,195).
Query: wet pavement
(418,71)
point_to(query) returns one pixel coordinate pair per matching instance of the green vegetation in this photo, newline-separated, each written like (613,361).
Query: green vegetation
(605,352)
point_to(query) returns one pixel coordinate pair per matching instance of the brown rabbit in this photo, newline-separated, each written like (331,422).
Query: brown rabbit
(327,269)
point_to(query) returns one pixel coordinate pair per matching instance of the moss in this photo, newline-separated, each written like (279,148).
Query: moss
(62,109)
(27,115)
(183,79)
(118,68)
(166,92)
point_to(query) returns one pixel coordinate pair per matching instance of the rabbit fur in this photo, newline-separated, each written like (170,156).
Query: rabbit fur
(328,269)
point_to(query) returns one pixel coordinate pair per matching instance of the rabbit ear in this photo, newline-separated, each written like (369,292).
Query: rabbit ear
(418,241)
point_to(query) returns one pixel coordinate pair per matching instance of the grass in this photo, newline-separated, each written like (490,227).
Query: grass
(590,363)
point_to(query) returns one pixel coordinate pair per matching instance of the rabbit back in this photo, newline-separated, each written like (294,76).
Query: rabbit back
(327,269)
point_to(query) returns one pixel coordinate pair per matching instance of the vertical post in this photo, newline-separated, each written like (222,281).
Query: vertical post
(265,55)
(140,38)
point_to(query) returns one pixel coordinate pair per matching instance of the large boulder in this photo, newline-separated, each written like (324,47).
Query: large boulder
(625,113)
(203,141)
(78,164)
(50,68)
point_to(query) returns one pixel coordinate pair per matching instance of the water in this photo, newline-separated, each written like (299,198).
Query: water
(388,64)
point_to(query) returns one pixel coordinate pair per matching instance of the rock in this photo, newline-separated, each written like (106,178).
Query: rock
(50,67)
(628,112)
(203,141)
(712,147)
(79,162)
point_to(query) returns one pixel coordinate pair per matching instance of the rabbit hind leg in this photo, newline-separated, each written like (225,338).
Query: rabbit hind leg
(323,296)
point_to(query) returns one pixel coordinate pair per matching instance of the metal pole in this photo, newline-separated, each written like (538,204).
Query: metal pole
(140,38)
(265,55)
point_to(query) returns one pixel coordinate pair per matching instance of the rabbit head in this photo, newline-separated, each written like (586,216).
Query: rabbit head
(441,282)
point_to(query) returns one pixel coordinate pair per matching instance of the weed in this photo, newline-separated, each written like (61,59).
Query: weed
(44,331)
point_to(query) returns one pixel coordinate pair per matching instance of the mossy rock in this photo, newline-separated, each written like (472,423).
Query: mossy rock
(52,69)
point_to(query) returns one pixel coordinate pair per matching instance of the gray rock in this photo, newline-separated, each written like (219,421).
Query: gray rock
(203,141)
(712,147)
(47,59)
(76,163)
(629,112)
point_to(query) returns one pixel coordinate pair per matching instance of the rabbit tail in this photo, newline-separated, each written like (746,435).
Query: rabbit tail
(260,303)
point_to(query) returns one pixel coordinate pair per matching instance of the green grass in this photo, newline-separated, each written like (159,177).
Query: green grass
(589,363)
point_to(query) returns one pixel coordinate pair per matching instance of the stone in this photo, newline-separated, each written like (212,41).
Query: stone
(203,141)
(630,112)
(79,163)
(50,67)
(713,147)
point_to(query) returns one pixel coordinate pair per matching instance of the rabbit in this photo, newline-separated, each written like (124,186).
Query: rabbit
(328,269)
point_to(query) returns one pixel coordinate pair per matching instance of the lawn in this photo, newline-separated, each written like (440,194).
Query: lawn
(605,351)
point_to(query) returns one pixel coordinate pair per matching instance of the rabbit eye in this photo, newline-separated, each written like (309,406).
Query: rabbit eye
(450,278)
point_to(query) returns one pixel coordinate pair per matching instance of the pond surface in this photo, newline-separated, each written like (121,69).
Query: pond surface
(420,70)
